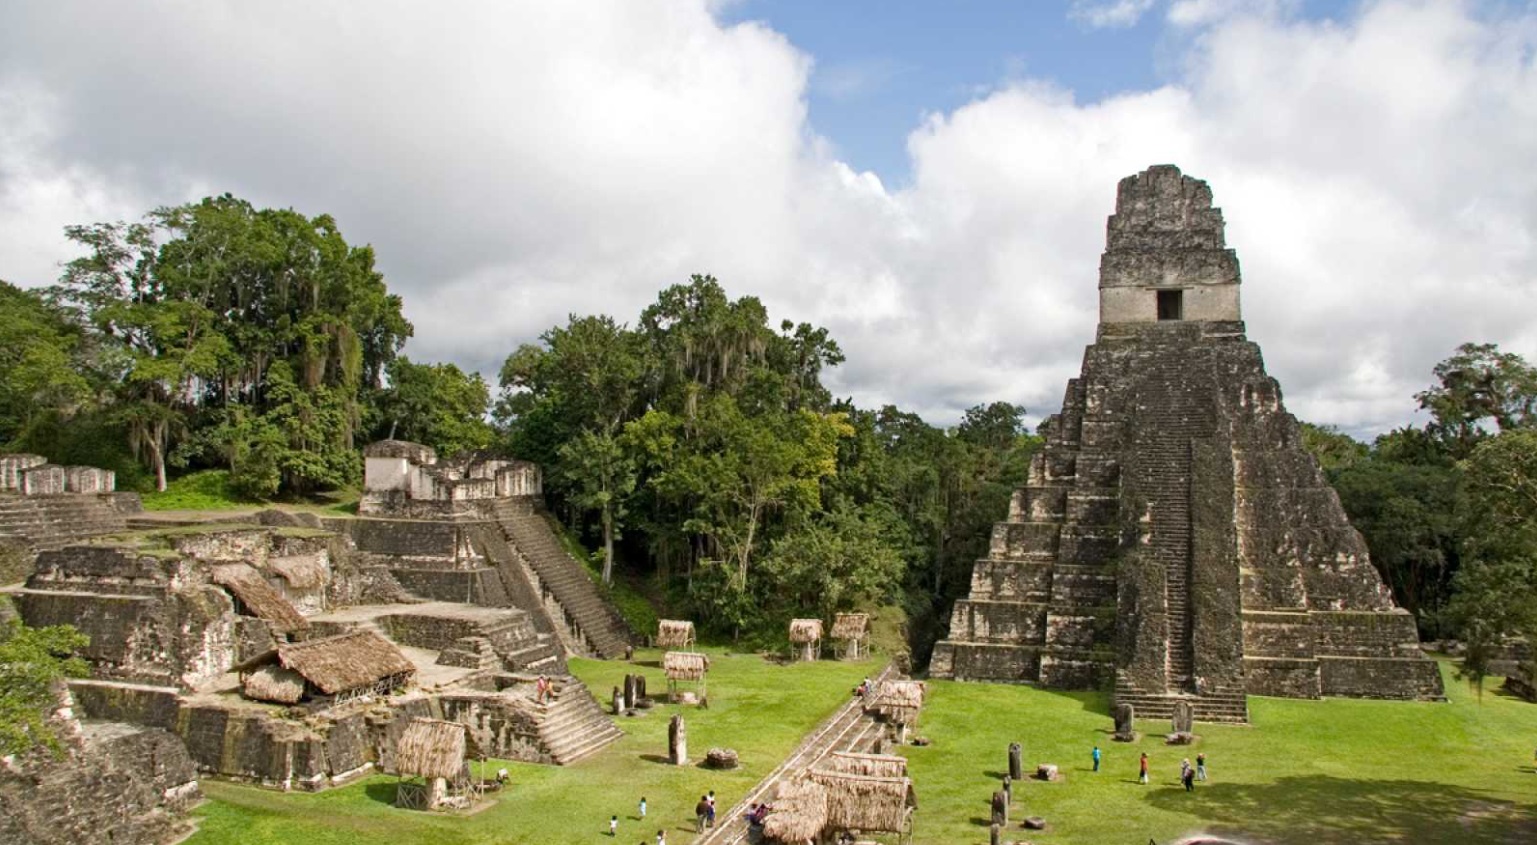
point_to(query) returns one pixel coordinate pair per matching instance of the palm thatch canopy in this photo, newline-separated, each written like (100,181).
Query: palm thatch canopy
(799,813)
(861,802)
(274,683)
(344,662)
(805,630)
(874,765)
(851,626)
(431,748)
(898,701)
(304,573)
(674,633)
(257,595)
(685,665)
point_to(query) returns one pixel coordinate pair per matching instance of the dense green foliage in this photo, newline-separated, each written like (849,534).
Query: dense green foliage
(1449,510)
(703,447)
(33,662)
(225,335)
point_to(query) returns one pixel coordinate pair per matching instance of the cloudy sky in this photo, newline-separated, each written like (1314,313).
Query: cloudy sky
(930,181)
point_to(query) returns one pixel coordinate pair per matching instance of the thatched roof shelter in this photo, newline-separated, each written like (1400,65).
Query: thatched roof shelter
(873,765)
(674,633)
(898,701)
(274,683)
(253,591)
(805,630)
(354,661)
(851,626)
(861,802)
(431,748)
(304,573)
(685,665)
(799,813)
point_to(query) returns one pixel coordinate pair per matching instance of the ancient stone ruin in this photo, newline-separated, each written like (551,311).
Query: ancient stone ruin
(1174,536)
(46,506)
(294,650)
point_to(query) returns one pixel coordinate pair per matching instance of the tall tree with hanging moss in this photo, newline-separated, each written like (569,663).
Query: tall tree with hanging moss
(244,337)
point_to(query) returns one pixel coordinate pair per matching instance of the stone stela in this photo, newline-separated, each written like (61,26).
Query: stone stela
(1173,536)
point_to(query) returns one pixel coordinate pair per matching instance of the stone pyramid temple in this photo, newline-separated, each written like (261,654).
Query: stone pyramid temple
(1174,538)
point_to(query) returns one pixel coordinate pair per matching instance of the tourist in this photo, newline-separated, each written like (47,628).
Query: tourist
(613,826)
(1096,757)
(643,807)
(501,777)
(541,689)
(1187,775)
(661,837)
(1142,769)
(710,821)
(701,813)
(1200,766)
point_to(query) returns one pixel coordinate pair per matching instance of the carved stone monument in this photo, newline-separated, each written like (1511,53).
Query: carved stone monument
(1016,761)
(677,742)
(1000,808)
(1125,721)
(1173,535)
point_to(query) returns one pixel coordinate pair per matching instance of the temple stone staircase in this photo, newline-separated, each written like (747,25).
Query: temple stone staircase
(572,725)
(1219,705)
(590,617)
(52,522)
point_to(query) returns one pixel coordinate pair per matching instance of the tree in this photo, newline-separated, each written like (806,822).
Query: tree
(602,478)
(1497,587)
(33,663)
(41,374)
(219,317)
(1479,386)
(1333,449)
(435,404)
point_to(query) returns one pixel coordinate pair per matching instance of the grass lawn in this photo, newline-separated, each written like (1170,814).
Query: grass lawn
(760,709)
(1306,772)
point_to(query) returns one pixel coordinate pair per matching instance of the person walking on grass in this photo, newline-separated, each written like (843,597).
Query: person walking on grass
(701,813)
(1096,755)
(1142,769)
(1187,775)
(643,807)
(613,826)
(1200,766)
(661,837)
(710,821)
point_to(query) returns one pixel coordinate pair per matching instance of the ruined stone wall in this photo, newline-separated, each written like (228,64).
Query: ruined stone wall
(123,786)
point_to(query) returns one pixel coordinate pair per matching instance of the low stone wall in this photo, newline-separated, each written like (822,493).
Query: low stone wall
(1346,634)
(1380,677)
(1278,635)
(978,661)
(1281,677)
(998,621)
(500,726)
(481,585)
(135,704)
(1011,580)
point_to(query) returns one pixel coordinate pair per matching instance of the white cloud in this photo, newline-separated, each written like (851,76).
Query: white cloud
(513,164)
(1198,13)
(1109,13)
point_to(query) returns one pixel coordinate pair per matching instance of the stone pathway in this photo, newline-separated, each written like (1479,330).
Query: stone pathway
(849,729)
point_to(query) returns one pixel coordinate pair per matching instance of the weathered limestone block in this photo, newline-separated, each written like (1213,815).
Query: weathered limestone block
(13,465)
(44,480)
